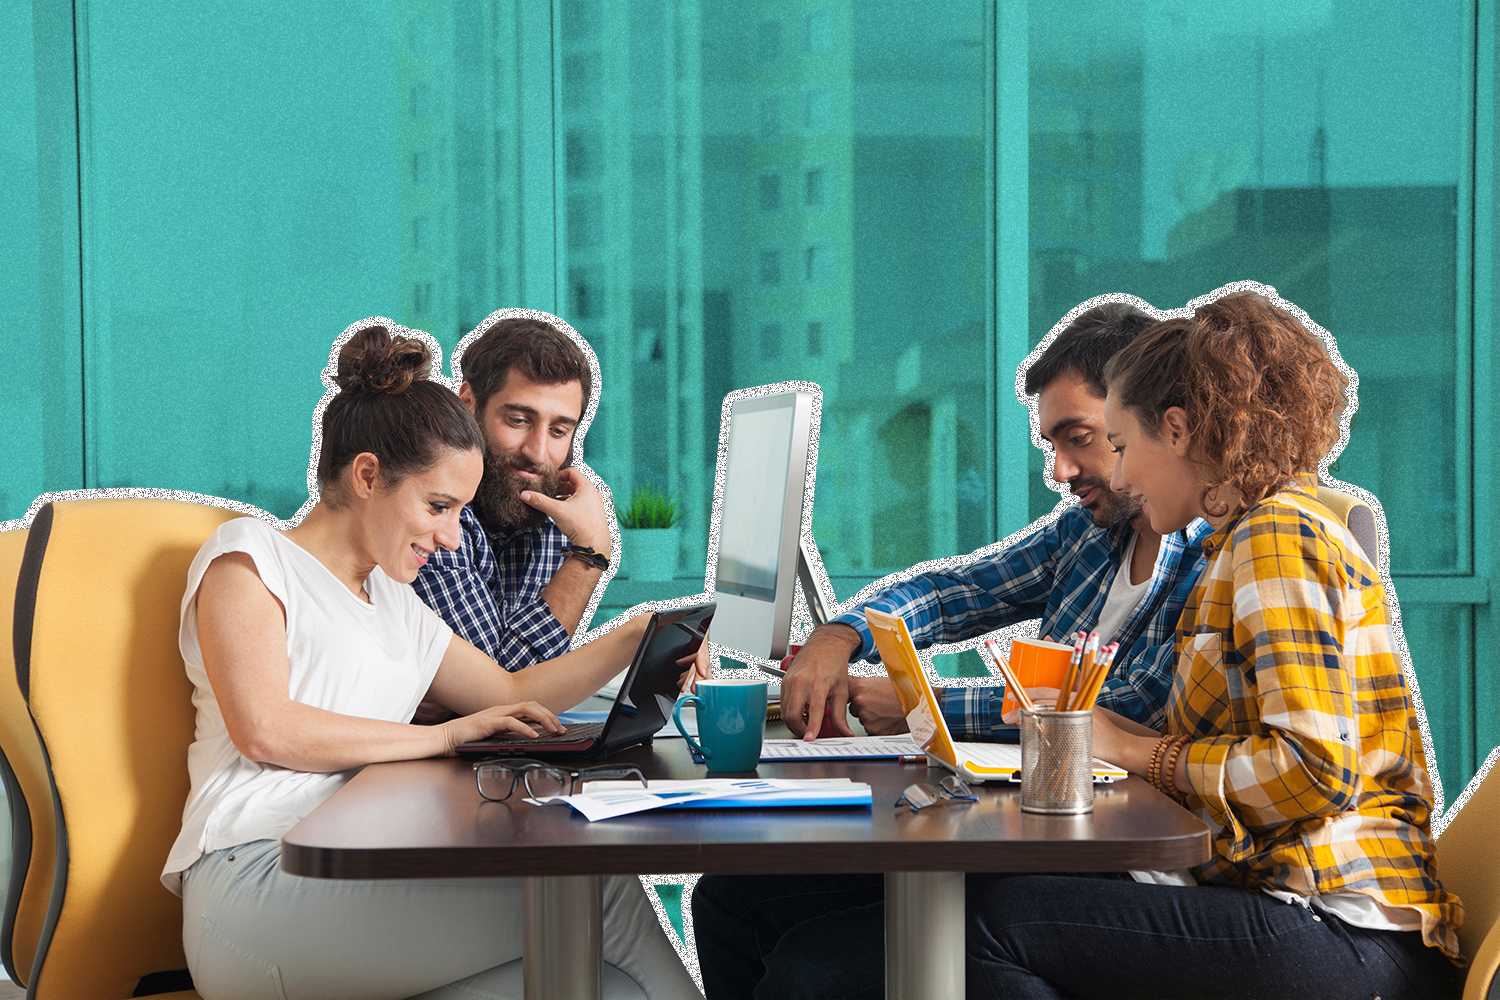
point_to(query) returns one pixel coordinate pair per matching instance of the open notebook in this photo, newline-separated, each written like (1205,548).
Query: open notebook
(971,761)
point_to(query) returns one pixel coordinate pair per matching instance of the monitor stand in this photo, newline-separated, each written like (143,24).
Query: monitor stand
(807,555)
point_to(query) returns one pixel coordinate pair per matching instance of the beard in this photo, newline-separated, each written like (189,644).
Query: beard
(498,500)
(1111,509)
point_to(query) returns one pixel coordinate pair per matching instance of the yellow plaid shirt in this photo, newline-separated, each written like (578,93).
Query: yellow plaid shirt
(1305,750)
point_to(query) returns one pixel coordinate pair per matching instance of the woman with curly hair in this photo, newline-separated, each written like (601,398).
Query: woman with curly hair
(1290,729)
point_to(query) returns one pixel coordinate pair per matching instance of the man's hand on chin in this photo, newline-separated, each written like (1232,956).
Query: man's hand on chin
(579,514)
(874,703)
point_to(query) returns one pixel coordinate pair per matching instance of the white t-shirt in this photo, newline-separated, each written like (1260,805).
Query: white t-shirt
(1123,595)
(374,661)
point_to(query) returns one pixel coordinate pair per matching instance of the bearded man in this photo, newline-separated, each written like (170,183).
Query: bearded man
(1098,567)
(536,535)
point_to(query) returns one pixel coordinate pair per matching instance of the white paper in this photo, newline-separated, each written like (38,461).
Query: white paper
(837,747)
(607,799)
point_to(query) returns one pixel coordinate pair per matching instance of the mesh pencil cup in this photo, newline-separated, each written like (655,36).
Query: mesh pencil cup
(1057,761)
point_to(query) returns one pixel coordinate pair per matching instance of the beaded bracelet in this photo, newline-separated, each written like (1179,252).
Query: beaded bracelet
(1163,774)
(1167,776)
(1154,770)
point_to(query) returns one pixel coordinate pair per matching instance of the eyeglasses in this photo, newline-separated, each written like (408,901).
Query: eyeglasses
(497,779)
(950,789)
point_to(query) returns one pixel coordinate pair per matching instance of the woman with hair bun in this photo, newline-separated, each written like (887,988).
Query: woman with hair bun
(1290,729)
(309,652)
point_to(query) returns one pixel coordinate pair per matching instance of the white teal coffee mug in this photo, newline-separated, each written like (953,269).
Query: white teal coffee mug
(731,722)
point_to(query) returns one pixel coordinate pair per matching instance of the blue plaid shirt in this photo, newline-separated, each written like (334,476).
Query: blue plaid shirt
(1060,573)
(489,590)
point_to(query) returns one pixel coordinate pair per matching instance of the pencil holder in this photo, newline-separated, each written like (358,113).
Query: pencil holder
(1057,758)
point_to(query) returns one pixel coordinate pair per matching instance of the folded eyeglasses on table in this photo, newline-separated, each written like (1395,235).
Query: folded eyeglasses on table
(497,779)
(951,789)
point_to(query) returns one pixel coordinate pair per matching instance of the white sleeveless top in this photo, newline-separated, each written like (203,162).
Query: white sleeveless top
(374,661)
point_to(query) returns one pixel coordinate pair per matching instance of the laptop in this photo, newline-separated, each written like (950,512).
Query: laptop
(642,706)
(974,762)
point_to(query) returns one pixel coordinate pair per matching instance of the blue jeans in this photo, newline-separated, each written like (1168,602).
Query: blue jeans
(786,936)
(1056,936)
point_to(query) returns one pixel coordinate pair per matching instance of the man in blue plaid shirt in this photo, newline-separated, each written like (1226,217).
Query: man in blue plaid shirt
(510,588)
(1099,566)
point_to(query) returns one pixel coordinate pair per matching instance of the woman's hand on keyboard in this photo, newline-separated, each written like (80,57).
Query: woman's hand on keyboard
(501,718)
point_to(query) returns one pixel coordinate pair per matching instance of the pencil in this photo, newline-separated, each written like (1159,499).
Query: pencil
(1010,679)
(1090,662)
(1091,690)
(1087,683)
(1068,676)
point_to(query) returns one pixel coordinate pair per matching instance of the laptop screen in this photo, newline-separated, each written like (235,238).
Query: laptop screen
(652,683)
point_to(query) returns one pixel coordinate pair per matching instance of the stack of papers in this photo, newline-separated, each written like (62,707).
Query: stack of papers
(607,799)
(841,748)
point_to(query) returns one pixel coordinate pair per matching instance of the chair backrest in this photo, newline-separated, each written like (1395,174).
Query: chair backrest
(33,845)
(98,604)
(1357,517)
(1468,862)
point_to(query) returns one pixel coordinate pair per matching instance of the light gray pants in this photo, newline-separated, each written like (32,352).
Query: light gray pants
(254,932)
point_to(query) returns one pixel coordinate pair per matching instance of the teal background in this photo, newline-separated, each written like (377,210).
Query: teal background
(895,201)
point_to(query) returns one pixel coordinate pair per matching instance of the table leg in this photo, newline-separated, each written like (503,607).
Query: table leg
(562,954)
(924,936)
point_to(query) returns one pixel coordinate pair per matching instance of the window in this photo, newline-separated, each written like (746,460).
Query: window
(815,338)
(583,214)
(1169,160)
(768,191)
(816,189)
(768,117)
(581,154)
(768,42)
(768,270)
(420,101)
(421,298)
(769,341)
(826,170)
(585,296)
(817,264)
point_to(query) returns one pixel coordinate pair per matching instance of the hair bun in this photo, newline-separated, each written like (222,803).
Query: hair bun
(375,361)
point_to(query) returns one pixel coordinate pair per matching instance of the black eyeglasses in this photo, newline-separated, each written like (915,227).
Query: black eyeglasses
(950,789)
(497,779)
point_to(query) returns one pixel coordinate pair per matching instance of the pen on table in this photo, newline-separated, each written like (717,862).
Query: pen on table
(911,758)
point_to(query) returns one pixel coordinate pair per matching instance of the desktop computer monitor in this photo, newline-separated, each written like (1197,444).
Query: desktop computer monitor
(761,488)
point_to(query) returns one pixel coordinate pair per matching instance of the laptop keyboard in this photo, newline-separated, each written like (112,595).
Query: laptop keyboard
(576,733)
(1003,755)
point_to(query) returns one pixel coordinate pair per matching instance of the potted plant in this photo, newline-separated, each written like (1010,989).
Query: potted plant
(648,534)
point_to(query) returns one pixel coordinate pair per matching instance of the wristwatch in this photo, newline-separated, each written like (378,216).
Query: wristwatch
(583,553)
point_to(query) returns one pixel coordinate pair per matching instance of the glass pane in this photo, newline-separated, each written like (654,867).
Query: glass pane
(774,190)
(1438,637)
(22,445)
(1313,147)
(303,172)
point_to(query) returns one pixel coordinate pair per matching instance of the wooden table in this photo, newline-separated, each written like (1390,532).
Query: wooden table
(419,819)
